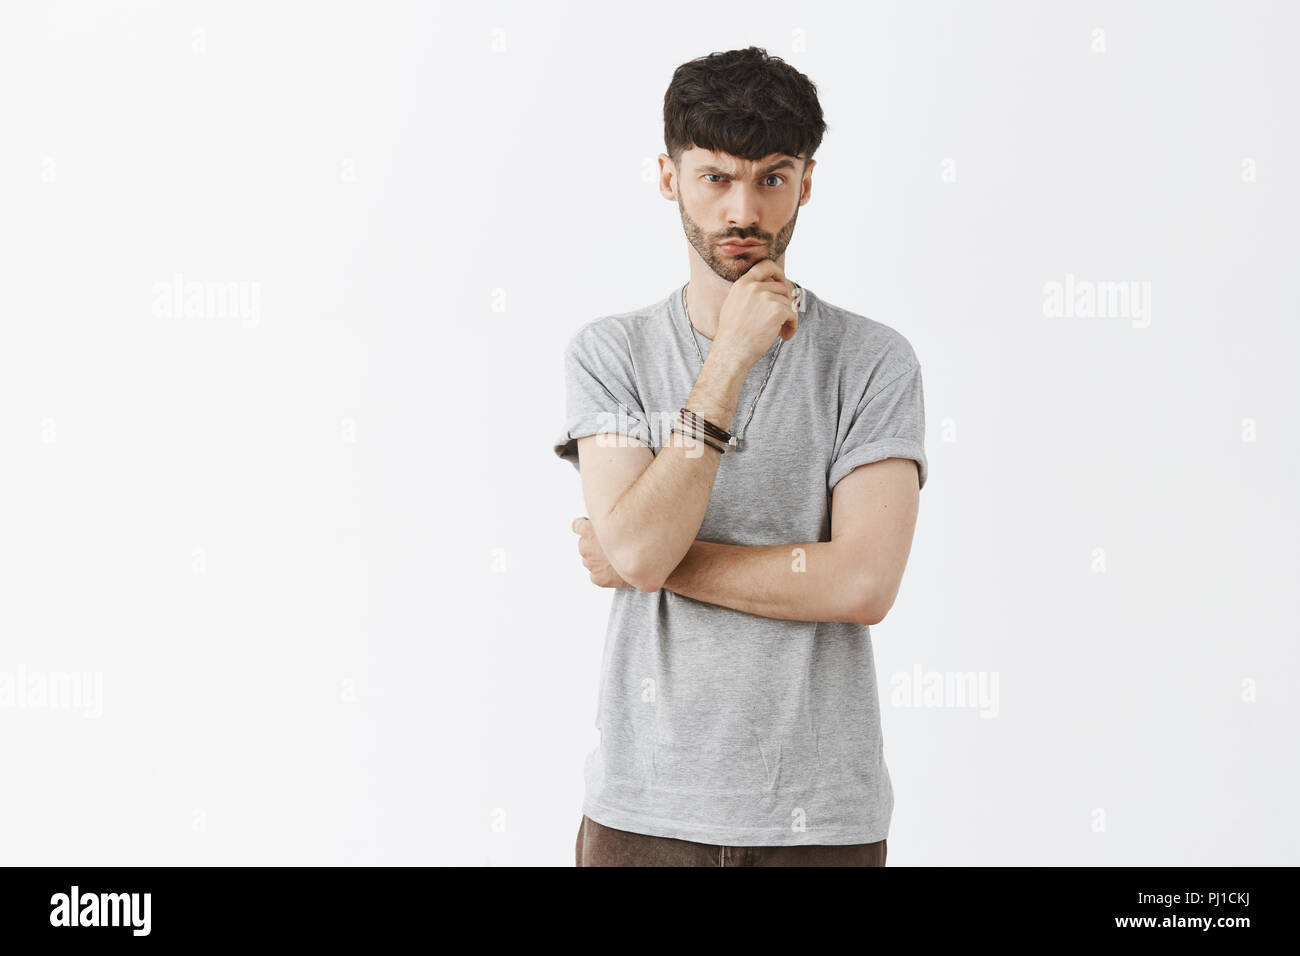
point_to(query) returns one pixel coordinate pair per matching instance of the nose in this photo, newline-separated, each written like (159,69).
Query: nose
(742,211)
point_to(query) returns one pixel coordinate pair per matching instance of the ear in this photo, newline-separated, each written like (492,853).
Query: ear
(806,190)
(667,177)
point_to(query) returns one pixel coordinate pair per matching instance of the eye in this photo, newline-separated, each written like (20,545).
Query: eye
(707,175)
(775,176)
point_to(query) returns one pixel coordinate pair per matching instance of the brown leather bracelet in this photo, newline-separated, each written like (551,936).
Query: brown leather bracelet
(677,431)
(695,429)
(703,424)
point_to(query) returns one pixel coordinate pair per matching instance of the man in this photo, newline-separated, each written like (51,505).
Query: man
(738,708)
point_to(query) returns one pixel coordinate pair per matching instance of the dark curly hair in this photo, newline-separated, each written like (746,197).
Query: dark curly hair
(742,102)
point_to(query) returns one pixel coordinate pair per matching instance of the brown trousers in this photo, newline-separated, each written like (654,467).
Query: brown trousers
(599,845)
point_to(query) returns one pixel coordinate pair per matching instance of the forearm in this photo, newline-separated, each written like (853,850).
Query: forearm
(818,581)
(656,519)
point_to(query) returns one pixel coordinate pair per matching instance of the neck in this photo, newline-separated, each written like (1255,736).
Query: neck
(705,294)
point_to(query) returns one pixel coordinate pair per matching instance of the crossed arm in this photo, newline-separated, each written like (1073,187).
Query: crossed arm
(816,581)
(853,577)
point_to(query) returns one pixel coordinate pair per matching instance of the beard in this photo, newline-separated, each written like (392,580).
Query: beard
(728,267)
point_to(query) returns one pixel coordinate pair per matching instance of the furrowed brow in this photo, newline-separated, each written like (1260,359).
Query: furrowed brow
(779,164)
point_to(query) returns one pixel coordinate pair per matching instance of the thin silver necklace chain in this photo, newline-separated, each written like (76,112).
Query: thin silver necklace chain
(735,441)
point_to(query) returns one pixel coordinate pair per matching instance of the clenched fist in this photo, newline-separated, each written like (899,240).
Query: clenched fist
(593,556)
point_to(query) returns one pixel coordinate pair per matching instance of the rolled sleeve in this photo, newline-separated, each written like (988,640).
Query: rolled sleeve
(601,397)
(890,423)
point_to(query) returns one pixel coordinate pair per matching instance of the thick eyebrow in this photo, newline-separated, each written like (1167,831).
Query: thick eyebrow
(779,164)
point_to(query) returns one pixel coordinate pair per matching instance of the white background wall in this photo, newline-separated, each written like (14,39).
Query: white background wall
(311,561)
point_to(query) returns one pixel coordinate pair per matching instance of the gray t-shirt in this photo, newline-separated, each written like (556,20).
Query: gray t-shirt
(716,725)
